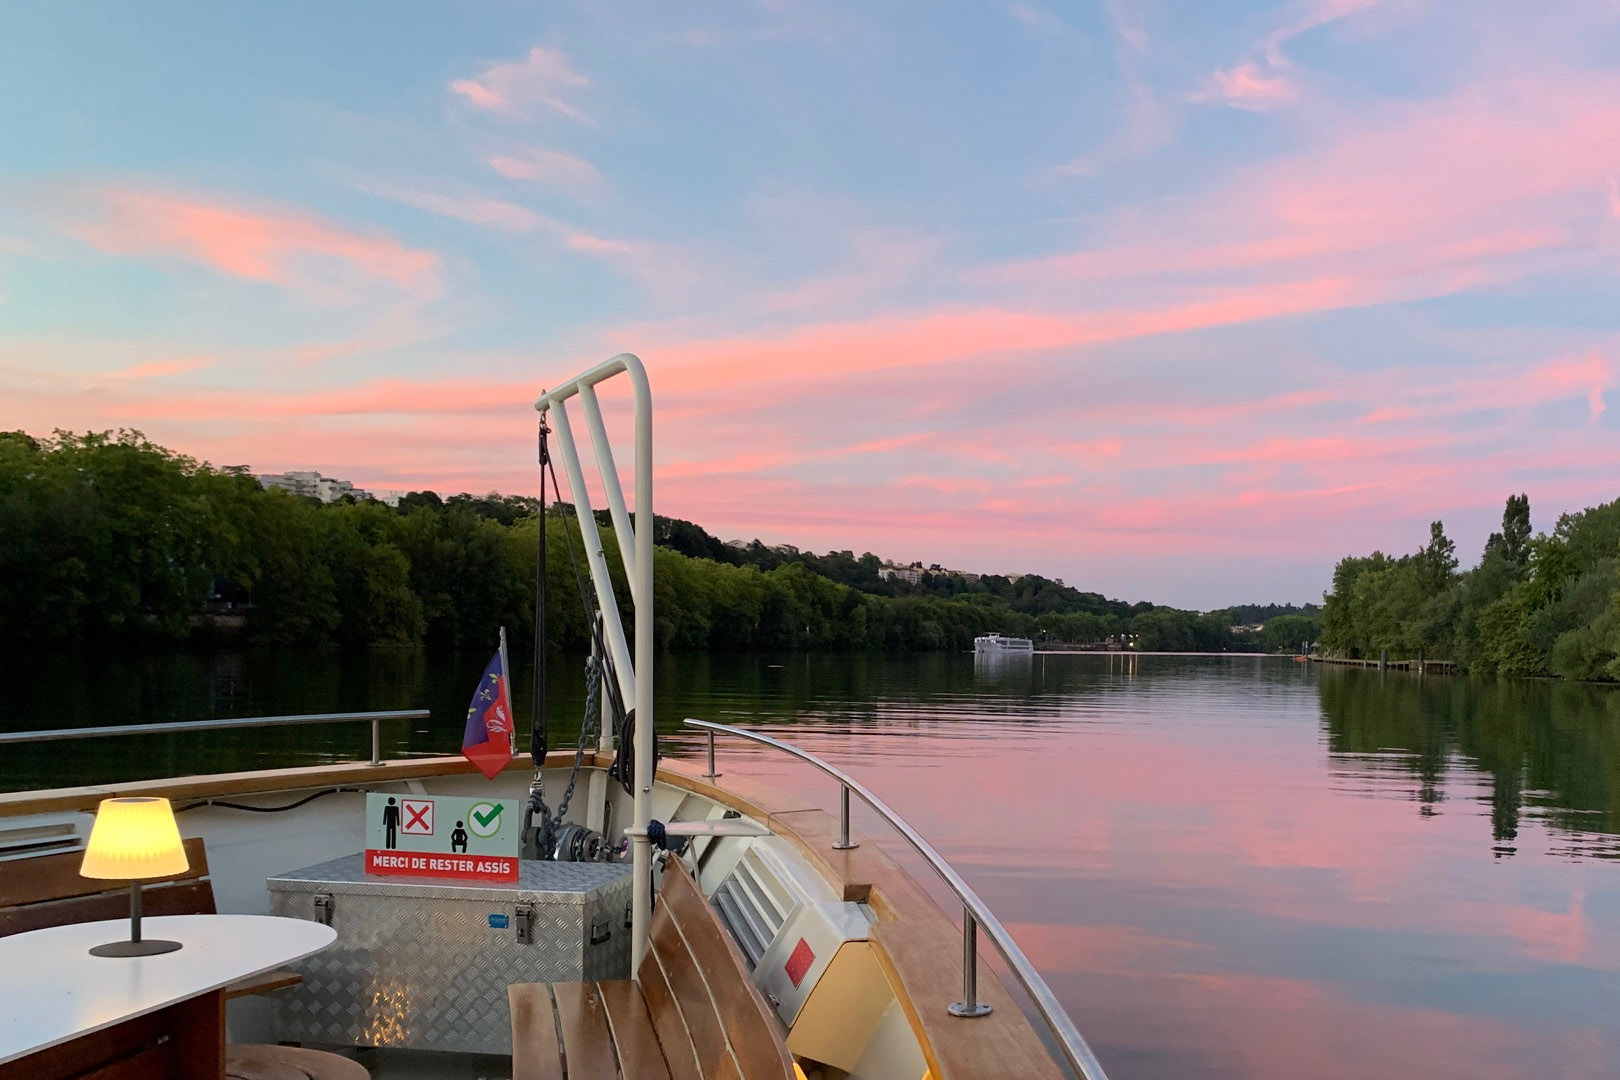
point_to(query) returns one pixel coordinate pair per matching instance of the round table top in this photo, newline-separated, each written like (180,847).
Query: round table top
(52,990)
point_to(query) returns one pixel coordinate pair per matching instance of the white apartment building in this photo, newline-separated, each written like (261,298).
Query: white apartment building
(313,485)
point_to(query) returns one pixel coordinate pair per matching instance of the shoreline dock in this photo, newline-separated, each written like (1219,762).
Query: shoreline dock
(1420,665)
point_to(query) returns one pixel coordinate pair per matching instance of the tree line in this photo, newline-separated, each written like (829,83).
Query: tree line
(107,536)
(1534,605)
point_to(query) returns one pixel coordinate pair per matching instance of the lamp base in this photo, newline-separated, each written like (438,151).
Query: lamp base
(149,947)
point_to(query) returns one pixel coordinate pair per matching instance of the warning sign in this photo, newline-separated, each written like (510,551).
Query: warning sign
(442,837)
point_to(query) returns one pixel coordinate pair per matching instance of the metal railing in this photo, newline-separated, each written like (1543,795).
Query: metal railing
(974,912)
(376,718)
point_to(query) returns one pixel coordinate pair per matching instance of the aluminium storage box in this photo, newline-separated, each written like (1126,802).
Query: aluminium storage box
(425,964)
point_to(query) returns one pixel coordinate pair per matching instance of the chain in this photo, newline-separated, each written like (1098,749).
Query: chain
(587,730)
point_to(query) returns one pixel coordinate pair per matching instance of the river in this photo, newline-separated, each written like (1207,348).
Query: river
(1239,868)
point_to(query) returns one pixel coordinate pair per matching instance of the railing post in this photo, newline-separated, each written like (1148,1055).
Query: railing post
(844,843)
(970,1005)
(376,741)
(711,774)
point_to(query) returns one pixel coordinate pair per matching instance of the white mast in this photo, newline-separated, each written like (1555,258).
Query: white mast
(636,549)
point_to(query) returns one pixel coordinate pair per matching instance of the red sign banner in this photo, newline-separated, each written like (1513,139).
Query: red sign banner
(428,865)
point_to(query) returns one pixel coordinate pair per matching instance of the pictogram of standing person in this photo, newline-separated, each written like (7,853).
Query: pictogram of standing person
(458,839)
(390,822)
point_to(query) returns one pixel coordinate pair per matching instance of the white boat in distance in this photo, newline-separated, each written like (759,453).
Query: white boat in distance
(995,645)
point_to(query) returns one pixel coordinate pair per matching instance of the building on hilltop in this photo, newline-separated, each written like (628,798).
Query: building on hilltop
(313,485)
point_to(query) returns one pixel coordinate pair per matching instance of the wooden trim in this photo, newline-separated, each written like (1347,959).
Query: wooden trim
(183,1041)
(263,781)
(42,878)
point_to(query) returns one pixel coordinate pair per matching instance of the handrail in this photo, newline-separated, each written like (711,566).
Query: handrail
(975,913)
(12,738)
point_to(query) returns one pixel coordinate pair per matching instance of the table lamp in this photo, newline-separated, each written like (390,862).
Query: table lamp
(134,840)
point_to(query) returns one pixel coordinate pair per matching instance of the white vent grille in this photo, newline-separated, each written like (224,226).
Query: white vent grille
(43,834)
(755,901)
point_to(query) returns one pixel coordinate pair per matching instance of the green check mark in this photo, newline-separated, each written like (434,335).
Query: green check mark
(486,818)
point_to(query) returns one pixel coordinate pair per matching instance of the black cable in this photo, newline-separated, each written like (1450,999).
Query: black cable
(538,718)
(263,809)
(573,560)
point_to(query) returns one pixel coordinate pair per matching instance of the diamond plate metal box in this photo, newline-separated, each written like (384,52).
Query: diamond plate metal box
(425,965)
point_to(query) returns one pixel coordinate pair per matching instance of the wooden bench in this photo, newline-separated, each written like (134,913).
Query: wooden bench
(693,1012)
(46,890)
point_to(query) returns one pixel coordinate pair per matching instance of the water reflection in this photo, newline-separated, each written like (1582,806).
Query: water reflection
(1547,749)
(1238,867)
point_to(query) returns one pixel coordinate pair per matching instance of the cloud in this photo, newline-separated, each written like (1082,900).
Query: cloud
(1496,182)
(1248,87)
(1146,124)
(542,80)
(161,369)
(1034,17)
(557,169)
(279,247)
(1267,83)
(880,261)
(503,215)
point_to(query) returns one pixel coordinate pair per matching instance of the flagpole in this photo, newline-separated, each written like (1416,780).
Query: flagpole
(506,688)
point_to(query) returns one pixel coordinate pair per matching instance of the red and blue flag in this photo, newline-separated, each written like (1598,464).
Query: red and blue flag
(487,742)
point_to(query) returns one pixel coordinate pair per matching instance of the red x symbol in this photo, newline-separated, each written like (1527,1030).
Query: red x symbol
(416,815)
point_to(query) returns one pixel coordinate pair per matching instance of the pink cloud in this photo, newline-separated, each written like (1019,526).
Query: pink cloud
(160,369)
(1246,86)
(1093,454)
(1587,376)
(555,168)
(541,79)
(274,246)
(1267,83)
(1401,202)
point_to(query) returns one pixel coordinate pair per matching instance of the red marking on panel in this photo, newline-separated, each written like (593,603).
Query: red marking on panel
(418,817)
(429,865)
(799,962)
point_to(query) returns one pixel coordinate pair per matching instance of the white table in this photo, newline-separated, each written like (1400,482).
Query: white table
(52,991)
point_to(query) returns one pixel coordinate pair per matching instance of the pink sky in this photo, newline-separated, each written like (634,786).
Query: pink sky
(1257,289)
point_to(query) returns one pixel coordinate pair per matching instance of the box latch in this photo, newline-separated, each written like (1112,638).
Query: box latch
(324,907)
(524,918)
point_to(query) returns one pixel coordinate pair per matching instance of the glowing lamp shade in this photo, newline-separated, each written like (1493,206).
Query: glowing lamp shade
(134,840)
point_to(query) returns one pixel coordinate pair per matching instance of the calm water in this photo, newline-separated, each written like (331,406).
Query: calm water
(1227,868)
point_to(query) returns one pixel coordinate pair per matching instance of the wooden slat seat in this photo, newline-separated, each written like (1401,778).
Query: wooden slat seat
(693,1013)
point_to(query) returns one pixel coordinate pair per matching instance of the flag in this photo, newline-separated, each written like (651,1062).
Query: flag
(487,742)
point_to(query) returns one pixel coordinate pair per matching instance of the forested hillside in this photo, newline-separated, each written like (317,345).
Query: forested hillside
(1534,605)
(108,537)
